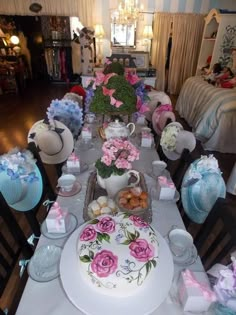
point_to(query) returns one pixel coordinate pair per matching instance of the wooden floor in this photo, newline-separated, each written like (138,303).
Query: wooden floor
(19,112)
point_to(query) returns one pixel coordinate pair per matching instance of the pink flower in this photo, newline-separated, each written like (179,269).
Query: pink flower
(104,263)
(141,250)
(132,78)
(138,221)
(88,234)
(106,160)
(106,225)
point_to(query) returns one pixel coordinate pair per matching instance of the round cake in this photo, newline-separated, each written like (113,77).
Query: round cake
(117,254)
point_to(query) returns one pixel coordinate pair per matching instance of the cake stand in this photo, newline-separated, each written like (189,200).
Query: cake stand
(90,301)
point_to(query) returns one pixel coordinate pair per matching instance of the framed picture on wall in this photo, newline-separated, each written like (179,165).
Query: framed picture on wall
(141,59)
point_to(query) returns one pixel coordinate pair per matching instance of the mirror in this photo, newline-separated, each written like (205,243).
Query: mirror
(123,35)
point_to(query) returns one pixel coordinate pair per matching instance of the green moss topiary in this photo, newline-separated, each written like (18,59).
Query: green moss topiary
(124,93)
(114,67)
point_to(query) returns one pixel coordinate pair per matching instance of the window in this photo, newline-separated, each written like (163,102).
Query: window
(123,35)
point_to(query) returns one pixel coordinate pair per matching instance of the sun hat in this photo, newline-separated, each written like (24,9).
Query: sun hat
(174,139)
(155,98)
(68,112)
(160,116)
(53,140)
(20,180)
(202,185)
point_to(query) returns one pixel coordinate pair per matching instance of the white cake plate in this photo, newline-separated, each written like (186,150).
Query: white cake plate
(90,301)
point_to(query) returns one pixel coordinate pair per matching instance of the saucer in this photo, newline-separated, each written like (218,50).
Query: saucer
(72,224)
(75,190)
(44,265)
(188,258)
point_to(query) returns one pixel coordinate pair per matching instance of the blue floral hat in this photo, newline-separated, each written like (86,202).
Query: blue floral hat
(68,112)
(202,185)
(20,180)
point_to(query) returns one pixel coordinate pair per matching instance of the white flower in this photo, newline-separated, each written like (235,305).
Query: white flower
(168,138)
(207,163)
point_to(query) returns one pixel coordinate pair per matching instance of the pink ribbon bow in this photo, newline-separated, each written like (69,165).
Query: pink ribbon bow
(163,181)
(191,281)
(112,99)
(102,78)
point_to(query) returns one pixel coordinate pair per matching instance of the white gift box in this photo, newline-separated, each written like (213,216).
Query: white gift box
(165,188)
(57,219)
(146,139)
(86,132)
(73,163)
(194,291)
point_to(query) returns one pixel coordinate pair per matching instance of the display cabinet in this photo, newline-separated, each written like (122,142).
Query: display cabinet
(219,37)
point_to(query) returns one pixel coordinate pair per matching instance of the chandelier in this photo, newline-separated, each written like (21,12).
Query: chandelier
(126,13)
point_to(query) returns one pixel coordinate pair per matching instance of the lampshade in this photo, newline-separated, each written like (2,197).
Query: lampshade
(99,31)
(147,32)
(2,35)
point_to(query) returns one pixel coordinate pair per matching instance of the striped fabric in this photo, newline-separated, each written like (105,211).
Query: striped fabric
(187,6)
(211,112)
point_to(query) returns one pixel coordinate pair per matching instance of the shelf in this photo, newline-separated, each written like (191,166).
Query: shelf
(210,39)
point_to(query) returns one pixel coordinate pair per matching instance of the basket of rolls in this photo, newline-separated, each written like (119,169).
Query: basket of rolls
(102,205)
(133,200)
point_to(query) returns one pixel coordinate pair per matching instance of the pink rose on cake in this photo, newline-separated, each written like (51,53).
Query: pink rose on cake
(106,225)
(88,234)
(141,250)
(104,263)
(139,222)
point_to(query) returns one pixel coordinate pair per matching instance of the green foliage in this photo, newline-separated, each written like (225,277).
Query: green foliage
(114,67)
(124,92)
(106,171)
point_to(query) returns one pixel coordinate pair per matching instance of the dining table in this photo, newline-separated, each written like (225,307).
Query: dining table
(50,298)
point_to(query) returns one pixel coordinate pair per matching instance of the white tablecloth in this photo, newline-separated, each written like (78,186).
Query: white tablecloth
(49,298)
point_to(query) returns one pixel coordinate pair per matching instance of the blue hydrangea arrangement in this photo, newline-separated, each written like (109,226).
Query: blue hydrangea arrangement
(68,112)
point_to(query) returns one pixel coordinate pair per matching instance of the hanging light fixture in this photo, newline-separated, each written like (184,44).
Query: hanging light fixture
(127,12)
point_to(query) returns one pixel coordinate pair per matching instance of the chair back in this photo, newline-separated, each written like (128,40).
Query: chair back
(216,238)
(13,242)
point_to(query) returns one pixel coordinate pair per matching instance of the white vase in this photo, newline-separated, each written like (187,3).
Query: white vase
(114,183)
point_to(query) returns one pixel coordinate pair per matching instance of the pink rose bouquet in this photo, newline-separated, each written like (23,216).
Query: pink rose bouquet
(118,154)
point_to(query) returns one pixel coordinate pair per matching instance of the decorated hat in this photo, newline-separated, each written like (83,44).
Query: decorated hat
(160,116)
(20,180)
(53,140)
(202,185)
(79,90)
(74,97)
(174,139)
(68,112)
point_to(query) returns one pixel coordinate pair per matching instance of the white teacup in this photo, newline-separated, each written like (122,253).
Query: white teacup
(66,182)
(158,167)
(180,241)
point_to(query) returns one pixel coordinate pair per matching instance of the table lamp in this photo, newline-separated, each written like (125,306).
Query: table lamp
(99,34)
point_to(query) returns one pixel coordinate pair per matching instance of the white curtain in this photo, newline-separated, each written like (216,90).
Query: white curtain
(161,32)
(81,8)
(186,42)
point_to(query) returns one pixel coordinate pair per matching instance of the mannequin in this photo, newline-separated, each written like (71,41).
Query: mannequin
(87,53)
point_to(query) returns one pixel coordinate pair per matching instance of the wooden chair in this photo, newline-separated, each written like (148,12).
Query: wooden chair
(217,236)
(13,243)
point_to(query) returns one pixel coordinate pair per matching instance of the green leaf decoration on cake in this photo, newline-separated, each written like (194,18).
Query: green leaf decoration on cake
(85,259)
(132,236)
(126,242)
(94,221)
(154,263)
(91,254)
(103,236)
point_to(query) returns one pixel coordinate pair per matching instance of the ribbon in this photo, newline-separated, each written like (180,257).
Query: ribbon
(31,239)
(47,203)
(163,181)
(22,263)
(146,135)
(191,281)
(56,209)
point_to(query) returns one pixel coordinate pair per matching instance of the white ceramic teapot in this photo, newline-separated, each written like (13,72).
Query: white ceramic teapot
(116,129)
